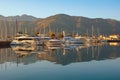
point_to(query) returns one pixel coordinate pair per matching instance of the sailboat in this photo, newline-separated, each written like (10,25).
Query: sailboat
(4,41)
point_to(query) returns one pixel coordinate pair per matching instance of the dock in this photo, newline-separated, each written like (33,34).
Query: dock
(113,40)
(5,43)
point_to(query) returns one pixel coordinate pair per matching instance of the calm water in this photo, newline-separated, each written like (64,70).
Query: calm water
(80,62)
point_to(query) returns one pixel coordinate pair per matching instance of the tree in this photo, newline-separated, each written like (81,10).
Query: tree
(60,35)
(51,35)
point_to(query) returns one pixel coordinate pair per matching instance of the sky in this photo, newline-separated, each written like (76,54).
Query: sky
(45,8)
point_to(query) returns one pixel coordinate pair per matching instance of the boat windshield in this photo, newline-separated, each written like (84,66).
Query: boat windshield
(20,39)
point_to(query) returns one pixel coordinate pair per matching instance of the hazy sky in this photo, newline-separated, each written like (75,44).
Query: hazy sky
(45,8)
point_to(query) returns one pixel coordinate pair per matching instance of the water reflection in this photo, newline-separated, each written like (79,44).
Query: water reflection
(63,55)
(114,44)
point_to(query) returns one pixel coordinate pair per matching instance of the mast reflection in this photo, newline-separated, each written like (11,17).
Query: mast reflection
(63,55)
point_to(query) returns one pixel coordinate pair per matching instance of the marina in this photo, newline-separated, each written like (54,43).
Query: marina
(67,57)
(59,40)
(25,39)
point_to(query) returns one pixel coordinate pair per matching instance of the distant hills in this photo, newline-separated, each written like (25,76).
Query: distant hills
(23,17)
(72,24)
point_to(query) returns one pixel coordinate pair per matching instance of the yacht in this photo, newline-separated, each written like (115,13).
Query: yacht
(71,40)
(53,43)
(26,40)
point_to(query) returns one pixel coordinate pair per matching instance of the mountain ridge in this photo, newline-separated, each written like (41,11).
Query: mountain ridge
(60,22)
(80,24)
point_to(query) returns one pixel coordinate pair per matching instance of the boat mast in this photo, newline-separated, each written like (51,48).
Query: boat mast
(92,31)
(5,29)
(16,25)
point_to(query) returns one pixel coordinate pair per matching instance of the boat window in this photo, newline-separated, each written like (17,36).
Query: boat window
(45,38)
(25,39)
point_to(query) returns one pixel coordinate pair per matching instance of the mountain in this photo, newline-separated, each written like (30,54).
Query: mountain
(23,17)
(60,22)
(79,24)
